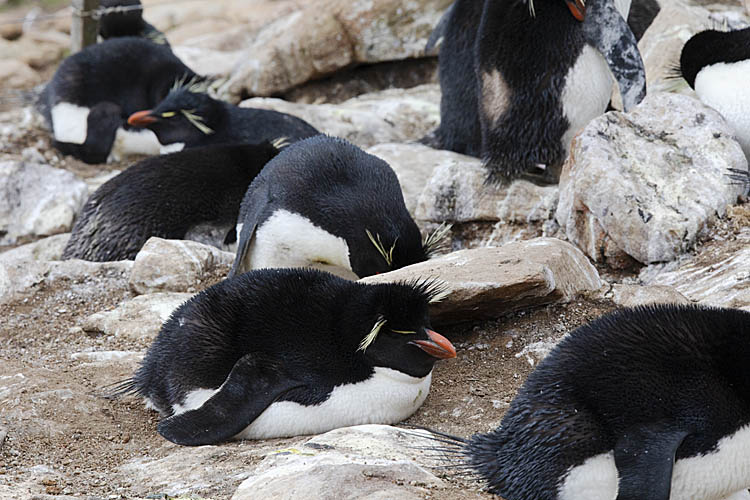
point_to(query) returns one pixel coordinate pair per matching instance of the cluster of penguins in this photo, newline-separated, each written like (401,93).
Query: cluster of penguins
(645,403)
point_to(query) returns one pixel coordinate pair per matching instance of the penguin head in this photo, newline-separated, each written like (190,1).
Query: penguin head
(184,116)
(121,23)
(396,330)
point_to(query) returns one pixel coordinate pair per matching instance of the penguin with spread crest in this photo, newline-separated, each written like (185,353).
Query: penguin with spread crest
(285,352)
(325,203)
(651,403)
(520,78)
(189,117)
(88,100)
(125,18)
(193,194)
(716,64)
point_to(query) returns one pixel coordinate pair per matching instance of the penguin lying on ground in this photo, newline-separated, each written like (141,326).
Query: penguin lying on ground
(176,196)
(716,65)
(189,117)
(651,403)
(520,77)
(284,352)
(127,22)
(325,202)
(94,91)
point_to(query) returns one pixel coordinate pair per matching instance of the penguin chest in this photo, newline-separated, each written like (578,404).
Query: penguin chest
(387,397)
(587,90)
(288,239)
(133,141)
(722,473)
(726,88)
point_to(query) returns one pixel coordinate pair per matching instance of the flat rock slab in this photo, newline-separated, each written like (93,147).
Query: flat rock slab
(176,266)
(137,318)
(626,295)
(485,283)
(644,185)
(49,248)
(394,115)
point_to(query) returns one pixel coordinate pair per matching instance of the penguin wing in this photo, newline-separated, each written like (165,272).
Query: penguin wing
(251,387)
(254,204)
(644,457)
(431,48)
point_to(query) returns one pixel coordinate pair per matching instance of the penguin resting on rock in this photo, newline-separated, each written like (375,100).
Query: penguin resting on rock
(323,202)
(88,100)
(651,403)
(127,21)
(284,352)
(520,78)
(176,196)
(189,117)
(716,64)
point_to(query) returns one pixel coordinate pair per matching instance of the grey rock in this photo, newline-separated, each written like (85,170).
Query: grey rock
(137,318)
(627,295)
(37,200)
(15,74)
(394,115)
(488,282)
(646,184)
(176,265)
(107,357)
(49,248)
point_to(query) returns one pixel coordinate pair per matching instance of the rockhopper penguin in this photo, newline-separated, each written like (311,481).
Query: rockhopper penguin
(520,78)
(284,352)
(88,100)
(189,117)
(325,203)
(651,403)
(193,194)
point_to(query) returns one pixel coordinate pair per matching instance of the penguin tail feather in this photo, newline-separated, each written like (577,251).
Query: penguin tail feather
(448,450)
(118,389)
(739,177)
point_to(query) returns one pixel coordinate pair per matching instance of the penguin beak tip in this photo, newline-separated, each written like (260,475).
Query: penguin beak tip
(438,346)
(141,118)
(577,8)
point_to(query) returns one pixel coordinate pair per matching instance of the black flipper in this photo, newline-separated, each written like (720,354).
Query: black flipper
(250,388)
(644,457)
(102,123)
(431,48)
(249,216)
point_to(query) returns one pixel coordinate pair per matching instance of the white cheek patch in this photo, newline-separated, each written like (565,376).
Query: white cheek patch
(69,123)
(387,397)
(588,88)
(129,142)
(726,88)
(172,148)
(287,239)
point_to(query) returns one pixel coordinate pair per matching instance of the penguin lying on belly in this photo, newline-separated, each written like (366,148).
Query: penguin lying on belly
(189,117)
(127,22)
(520,78)
(175,196)
(323,202)
(716,65)
(651,403)
(284,352)
(94,91)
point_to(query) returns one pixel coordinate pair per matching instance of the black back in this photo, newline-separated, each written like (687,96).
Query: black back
(343,190)
(711,47)
(679,368)
(229,124)
(305,323)
(165,196)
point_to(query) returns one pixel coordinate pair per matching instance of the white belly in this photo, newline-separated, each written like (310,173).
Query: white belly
(726,88)
(131,142)
(69,123)
(723,474)
(287,239)
(588,88)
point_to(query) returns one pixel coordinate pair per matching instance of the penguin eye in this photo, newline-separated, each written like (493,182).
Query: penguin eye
(168,114)
(405,332)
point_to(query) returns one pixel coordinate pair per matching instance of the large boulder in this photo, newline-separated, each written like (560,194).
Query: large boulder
(37,200)
(646,184)
(485,283)
(49,248)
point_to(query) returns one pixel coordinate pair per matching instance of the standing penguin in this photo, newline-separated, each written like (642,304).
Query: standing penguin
(283,352)
(716,65)
(125,18)
(651,403)
(323,202)
(94,91)
(178,196)
(535,72)
(189,117)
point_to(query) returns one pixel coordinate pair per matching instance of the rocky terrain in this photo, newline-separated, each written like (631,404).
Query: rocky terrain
(644,213)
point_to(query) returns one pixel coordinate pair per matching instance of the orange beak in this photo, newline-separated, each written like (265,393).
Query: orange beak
(577,8)
(438,346)
(141,118)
